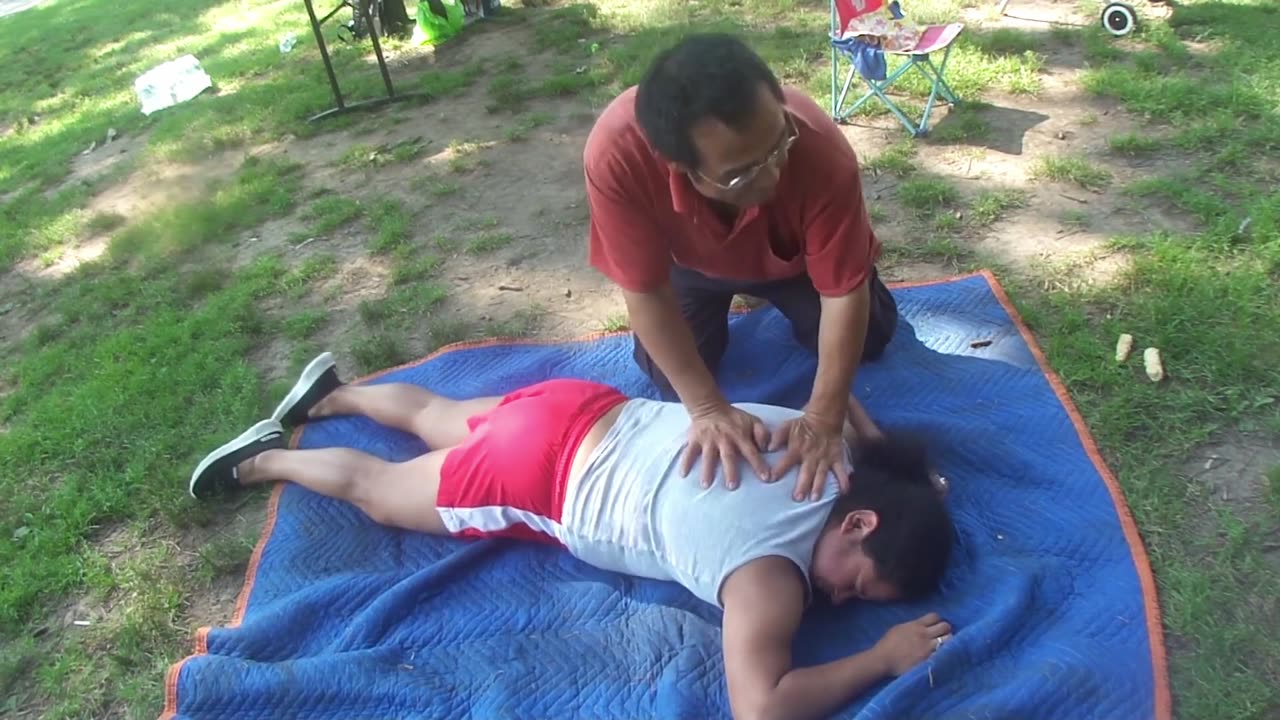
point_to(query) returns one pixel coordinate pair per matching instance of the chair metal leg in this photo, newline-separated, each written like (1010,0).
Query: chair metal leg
(897,111)
(324,54)
(938,86)
(934,74)
(877,90)
(835,81)
(342,106)
(841,114)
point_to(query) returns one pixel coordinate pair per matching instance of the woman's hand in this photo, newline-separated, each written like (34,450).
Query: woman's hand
(911,643)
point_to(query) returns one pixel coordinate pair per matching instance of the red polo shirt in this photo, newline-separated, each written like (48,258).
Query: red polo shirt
(644,216)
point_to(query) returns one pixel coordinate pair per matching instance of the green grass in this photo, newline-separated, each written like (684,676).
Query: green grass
(926,194)
(101,223)
(446,83)
(1187,194)
(80,83)
(1209,598)
(1071,169)
(616,322)
(364,157)
(447,331)
(410,268)
(522,323)
(223,556)
(1273,490)
(488,242)
(380,350)
(1218,108)
(947,224)
(479,222)
(973,70)
(939,249)
(1075,218)
(328,214)
(263,189)
(1133,144)
(526,124)
(1007,41)
(391,223)
(318,267)
(563,29)
(963,124)
(898,159)
(100,375)
(445,244)
(304,324)
(413,301)
(462,155)
(440,188)
(992,205)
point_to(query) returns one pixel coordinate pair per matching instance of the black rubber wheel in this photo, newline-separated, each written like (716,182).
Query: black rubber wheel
(1119,19)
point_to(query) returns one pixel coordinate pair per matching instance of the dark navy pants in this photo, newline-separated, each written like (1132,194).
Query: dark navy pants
(705,301)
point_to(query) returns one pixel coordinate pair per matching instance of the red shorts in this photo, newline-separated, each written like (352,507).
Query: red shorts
(507,479)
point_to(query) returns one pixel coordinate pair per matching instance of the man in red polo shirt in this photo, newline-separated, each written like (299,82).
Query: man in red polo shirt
(711,179)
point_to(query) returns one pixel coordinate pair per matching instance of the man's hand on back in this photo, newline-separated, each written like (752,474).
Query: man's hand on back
(817,447)
(720,435)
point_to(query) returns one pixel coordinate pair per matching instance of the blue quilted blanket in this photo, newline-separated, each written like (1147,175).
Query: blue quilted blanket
(1050,591)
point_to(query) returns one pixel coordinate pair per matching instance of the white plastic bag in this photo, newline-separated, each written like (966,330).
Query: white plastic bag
(171,83)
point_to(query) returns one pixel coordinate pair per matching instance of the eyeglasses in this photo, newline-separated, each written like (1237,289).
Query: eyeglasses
(779,154)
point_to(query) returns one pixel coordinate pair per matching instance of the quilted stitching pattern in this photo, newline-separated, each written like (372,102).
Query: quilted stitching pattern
(349,620)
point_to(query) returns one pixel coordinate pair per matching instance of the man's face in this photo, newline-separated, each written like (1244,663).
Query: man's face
(742,168)
(841,567)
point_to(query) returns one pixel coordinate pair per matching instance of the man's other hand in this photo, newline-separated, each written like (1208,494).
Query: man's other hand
(719,436)
(818,448)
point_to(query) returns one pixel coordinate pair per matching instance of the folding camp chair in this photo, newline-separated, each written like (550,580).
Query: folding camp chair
(861,29)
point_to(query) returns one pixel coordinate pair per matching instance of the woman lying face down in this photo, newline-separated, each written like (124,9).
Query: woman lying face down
(578,465)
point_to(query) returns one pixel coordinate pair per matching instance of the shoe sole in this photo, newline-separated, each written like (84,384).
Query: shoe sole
(310,374)
(260,431)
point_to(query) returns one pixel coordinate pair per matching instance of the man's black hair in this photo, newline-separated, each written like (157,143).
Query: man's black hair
(706,75)
(912,541)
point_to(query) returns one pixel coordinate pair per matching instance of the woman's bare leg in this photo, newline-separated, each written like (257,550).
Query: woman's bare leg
(401,495)
(440,421)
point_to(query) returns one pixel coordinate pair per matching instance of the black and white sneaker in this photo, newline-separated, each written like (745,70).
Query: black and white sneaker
(318,379)
(217,472)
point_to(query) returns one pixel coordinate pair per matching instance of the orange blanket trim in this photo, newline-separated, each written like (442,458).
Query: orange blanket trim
(1141,561)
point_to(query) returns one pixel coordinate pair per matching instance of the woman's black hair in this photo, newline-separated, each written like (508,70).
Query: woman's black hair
(912,540)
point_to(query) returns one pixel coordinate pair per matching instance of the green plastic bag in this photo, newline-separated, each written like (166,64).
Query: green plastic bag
(434,28)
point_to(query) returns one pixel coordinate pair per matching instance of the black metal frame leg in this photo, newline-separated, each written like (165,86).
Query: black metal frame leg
(341,106)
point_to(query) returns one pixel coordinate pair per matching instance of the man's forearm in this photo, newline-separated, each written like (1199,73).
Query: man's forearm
(816,692)
(656,320)
(842,331)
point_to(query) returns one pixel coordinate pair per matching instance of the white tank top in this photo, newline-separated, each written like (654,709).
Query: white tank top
(630,511)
